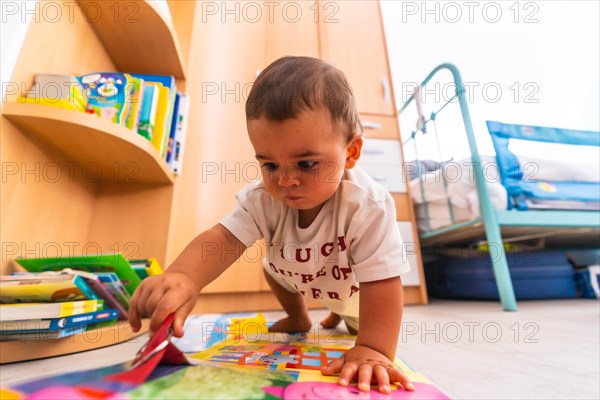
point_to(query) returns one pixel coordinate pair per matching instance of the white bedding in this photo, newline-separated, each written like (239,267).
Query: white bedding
(462,192)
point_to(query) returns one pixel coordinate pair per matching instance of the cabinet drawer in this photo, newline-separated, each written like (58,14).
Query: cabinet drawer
(377,126)
(381,151)
(409,251)
(388,176)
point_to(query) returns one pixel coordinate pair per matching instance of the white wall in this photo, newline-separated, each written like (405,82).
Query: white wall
(542,55)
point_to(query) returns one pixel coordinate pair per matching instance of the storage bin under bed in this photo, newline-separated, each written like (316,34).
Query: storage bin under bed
(469,275)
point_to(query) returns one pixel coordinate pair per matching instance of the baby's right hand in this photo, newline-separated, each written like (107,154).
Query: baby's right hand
(160,295)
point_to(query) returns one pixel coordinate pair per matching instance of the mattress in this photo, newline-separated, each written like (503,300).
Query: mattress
(455,184)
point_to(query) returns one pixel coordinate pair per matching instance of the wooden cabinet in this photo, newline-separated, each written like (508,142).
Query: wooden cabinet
(156,214)
(351,37)
(219,159)
(348,34)
(292,32)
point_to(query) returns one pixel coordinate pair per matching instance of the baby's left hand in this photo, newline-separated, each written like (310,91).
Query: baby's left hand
(366,365)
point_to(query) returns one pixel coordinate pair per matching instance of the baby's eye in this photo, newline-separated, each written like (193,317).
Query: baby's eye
(270,166)
(306,164)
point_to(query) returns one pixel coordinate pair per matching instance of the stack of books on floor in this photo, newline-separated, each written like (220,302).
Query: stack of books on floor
(54,298)
(149,105)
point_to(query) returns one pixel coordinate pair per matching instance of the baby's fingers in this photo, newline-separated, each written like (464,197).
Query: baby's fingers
(380,375)
(333,367)
(348,372)
(365,373)
(397,376)
(180,316)
(134,313)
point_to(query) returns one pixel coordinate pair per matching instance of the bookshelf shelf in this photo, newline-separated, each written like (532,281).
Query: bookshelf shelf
(110,152)
(136,36)
(15,351)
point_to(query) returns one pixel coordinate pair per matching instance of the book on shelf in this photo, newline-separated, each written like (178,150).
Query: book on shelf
(164,112)
(115,263)
(147,104)
(135,107)
(115,287)
(54,324)
(56,90)
(176,161)
(35,288)
(146,267)
(171,142)
(108,95)
(147,118)
(105,290)
(162,107)
(24,311)
(42,335)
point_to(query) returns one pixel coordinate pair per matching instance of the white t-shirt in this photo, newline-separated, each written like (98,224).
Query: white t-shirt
(353,239)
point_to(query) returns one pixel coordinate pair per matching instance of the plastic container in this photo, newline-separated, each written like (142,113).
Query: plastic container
(469,275)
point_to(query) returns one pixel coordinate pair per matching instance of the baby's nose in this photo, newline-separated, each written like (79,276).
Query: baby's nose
(288,177)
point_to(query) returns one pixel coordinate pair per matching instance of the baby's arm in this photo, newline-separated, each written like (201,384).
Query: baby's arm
(371,359)
(201,262)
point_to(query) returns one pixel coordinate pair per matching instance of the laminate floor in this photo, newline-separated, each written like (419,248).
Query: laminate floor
(470,350)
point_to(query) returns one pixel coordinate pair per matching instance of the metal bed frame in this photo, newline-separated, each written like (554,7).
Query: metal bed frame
(493,223)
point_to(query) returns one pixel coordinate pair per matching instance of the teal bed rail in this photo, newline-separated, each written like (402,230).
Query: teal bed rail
(487,210)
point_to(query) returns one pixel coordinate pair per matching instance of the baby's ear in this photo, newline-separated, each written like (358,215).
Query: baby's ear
(353,149)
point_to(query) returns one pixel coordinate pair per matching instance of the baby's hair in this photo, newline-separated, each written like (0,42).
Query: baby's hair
(291,85)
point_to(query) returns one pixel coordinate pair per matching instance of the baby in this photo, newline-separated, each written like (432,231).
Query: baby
(330,231)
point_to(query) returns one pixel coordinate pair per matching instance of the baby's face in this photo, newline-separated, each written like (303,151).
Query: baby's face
(302,159)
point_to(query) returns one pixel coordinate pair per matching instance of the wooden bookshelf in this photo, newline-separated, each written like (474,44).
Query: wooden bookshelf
(136,36)
(126,204)
(14,351)
(121,155)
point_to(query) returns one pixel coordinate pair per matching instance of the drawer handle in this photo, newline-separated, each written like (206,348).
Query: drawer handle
(374,152)
(379,178)
(371,125)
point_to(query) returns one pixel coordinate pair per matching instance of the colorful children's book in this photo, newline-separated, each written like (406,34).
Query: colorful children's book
(94,263)
(173,131)
(163,125)
(153,267)
(114,286)
(43,335)
(176,162)
(104,292)
(162,109)
(108,95)
(148,112)
(35,288)
(136,101)
(247,363)
(53,324)
(56,90)
(146,267)
(25,311)
(139,266)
